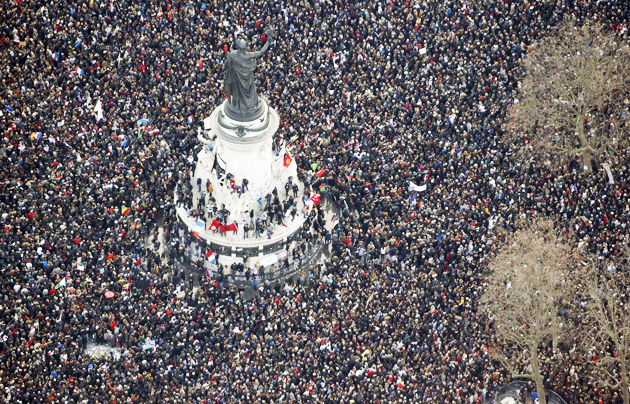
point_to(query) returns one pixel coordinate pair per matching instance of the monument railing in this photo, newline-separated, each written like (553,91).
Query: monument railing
(279,273)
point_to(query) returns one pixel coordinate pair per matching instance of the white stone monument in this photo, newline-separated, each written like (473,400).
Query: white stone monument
(239,138)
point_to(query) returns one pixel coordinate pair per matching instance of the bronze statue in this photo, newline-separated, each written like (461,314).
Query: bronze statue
(243,103)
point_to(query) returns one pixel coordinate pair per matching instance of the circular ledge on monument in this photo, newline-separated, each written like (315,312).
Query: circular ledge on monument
(244,132)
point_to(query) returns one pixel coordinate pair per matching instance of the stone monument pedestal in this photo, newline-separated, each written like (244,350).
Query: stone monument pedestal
(243,151)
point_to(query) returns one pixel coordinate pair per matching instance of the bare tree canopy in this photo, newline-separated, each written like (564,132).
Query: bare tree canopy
(574,97)
(524,292)
(607,318)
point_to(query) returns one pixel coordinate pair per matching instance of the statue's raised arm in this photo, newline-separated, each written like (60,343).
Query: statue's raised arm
(239,85)
(270,35)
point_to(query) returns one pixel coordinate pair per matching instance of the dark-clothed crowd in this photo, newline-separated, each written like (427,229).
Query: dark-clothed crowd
(379,94)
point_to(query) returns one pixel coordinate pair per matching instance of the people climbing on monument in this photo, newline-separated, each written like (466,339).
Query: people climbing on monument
(295,190)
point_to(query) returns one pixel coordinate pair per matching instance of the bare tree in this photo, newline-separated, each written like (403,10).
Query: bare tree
(573,97)
(525,289)
(607,320)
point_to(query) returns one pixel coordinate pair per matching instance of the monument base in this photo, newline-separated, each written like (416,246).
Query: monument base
(241,169)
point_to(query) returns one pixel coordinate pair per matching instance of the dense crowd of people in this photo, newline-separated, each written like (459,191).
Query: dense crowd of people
(379,94)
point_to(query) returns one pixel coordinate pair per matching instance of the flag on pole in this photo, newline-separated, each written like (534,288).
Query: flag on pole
(287,160)
(316,199)
(36,136)
(219,394)
(124,210)
(142,121)
(190,119)
(199,226)
(320,173)
(413,199)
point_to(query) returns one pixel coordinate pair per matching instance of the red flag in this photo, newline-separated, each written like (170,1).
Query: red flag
(320,173)
(229,227)
(287,159)
(316,199)
(209,253)
(215,225)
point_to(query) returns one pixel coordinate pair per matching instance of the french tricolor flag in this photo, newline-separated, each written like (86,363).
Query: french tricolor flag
(210,256)
(190,119)
(199,227)
(79,71)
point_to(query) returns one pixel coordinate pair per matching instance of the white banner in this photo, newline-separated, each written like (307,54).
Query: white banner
(417,188)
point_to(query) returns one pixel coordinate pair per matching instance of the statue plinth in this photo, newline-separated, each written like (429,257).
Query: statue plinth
(230,129)
(245,147)
(244,115)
